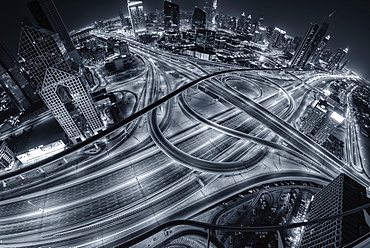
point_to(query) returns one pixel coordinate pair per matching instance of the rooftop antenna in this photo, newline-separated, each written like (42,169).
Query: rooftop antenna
(332,13)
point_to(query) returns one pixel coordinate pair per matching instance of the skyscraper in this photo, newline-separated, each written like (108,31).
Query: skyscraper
(71,104)
(171,16)
(243,24)
(341,195)
(302,48)
(343,65)
(40,49)
(199,19)
(205,40)
(309,45)
(121,16)
(321,121)
(277,38)
(320,49)
(299,55)
(337,58)
(47,16)
(14,82)
(7,156)
(209,8)
(319,36)
(136,11)
(13,90)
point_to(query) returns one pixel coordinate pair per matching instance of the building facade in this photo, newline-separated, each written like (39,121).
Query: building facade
(277,38)
(71,104)
(40,49)
(15,81)
(136,11)
(7,156)
(209,8)
(337,58)
(320,122)
(309,45)
(319,36)
(13,90)
(199,19)
(205,40)
(47,16)
(171,16)
(320,49)
(301,53)
(341,195)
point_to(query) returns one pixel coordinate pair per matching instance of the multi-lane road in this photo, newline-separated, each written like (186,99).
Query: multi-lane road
(168,156)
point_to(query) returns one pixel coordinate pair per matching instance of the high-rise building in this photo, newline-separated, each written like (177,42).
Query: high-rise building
(343,65)
(205,40)
(260,20)
(300,54)
(71,104)
(249,23)
(321,121)
(313,118)
(209,8)
(47,16)
(15,82)
(122,17)
(277,38)
(171,16)
(320,49)
(326,126)
(136,11)
(309,45)
(326,55)
(7,156)
(40,49)
(241,25)
(13,90)
(199,19)
(156,17)
(339,196)
(295,43)
(337,58)
(319,36)
(185,19)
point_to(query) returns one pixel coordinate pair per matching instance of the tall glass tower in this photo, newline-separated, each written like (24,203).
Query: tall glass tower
(198,19)
(299,55)
(47,16)
(71,104)
(210,9)
(171,16)
(320,49)
(15,82)
(309,45)
(40,49)
(339,196)
(337,58)
(136,11)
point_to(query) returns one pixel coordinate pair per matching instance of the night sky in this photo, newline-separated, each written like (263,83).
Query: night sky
(349,26)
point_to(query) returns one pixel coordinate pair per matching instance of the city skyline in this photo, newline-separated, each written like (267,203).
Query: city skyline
(348,26)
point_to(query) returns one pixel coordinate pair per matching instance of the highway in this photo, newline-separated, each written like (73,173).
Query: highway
(169,153)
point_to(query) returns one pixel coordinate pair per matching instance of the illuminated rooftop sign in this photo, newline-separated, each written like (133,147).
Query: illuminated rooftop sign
(41,152)
(337,117)
(327,92)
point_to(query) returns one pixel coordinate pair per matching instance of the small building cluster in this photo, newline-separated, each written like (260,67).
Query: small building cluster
(7,156)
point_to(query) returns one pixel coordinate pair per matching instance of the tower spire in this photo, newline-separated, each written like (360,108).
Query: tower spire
(330,15)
